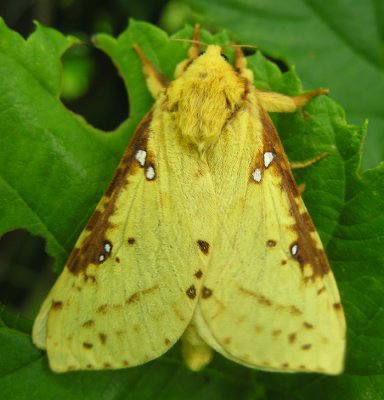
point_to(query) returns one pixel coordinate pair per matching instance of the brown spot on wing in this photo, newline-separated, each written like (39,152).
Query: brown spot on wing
(90,278)
(309,252)
(131,240)
(167,342)
(294,310)
(87,345)
(337,306)
(227,341)
(265,364)
(307,325)
(102,309)
(198,274)
(306,346)
(92,245)
(57,305)
(206,293)
(88,324)
(321,290)
(204,246)
(103,338)
(191,292)
(292,337)
(271,243)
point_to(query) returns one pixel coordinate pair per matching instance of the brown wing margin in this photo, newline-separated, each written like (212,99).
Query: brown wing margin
(94,244)
(306,251)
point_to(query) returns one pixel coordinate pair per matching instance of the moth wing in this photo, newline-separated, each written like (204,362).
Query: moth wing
(127,292)
(270,300)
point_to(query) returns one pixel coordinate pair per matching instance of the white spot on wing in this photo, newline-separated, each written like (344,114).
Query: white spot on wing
(268,158)
(101,258)
(107,247)
(150,173)
(294,249)
(140,156)
(256,175)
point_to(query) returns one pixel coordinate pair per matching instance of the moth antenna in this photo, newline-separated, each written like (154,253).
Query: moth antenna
(193,41)
(194,51)
(234,45)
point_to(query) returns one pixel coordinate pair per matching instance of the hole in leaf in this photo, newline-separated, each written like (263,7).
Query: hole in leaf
(25,271)
(280,63)
(91,87)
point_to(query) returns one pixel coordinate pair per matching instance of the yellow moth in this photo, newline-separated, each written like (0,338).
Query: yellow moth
(201,236)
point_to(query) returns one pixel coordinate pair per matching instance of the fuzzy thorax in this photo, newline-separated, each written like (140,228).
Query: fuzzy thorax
(204,97)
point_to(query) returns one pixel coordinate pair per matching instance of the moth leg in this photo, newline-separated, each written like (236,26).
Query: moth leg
(276,102)
(196,353)
(305,164)
(308,163)
(301,188)
(194,50)
(193,53)
(241,64)
(156,81)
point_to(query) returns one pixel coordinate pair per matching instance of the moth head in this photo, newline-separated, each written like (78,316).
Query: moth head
(210,91)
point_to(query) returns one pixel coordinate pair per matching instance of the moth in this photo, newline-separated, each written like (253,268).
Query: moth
(201,235)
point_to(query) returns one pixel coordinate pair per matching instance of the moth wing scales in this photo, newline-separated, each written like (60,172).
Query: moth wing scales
(268,308)
(131,307)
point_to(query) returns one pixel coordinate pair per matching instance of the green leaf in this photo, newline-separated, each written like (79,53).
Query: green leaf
(56,167)
(337,44)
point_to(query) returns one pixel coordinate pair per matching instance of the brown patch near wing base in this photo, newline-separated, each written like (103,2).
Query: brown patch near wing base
(91,247)
(309,252)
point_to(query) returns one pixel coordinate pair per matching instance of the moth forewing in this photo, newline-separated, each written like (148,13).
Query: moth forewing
(201,234)
(272,302)
(131,284)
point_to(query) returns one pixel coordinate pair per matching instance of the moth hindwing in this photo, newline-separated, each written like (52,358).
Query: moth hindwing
(201,235)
